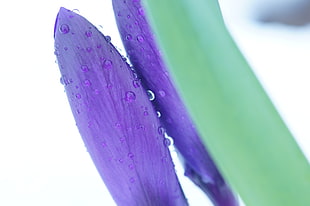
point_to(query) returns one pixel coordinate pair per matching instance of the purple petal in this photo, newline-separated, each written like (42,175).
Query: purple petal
(146,59)
(109,110)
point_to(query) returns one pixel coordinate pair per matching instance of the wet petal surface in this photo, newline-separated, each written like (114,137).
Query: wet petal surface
(145,57)
(109,107)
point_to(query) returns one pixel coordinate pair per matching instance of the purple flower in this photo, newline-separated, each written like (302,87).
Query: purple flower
(115,118)
(145,57)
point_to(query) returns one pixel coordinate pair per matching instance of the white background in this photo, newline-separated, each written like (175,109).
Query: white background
(42,158)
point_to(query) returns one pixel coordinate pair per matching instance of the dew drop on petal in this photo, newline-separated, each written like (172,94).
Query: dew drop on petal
(64,28)
(141,11)
(130,96)
(136,83)
(62,81)
(65,81)
(130,155)
(122,140)
(162,93)
(107,64)
(145,113)
(109,86)
(164,159)
(132,180)
(87,82)
(88,33)
(89,49)
(161,130)
(131,166)
(151,95)
(103,144)
(158,114)
(168,141)
(78,96)
(96,91)
(141,126)
(140,38)
(107,38)
(84,68)
(128,37)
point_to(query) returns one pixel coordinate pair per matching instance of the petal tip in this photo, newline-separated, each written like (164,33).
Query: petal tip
(62,15)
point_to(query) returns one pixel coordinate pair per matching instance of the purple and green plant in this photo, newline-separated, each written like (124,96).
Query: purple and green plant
(110,101)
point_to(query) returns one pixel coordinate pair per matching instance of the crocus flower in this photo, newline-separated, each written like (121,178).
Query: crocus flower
(145,57)
(115,118)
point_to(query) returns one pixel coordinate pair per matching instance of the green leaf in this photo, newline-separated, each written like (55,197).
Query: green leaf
(239,124)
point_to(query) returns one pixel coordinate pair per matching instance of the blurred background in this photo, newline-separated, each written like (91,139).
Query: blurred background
(43,160)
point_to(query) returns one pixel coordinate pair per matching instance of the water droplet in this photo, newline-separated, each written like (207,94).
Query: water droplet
(103,144)
(64,28)
(164,159)
(119,13)
(65,48)
(130,155)
(145,113)
(78,96)
(128,16)
(122,139)
(89,124)
(62,81)
(158,114)
(128,37)
(134,73)
(65,81)
(132,180)
(131,166)
(120,160)
(96,91)
(168,141)
(140,38)
(161,130)
(99,46)
(162,93)
(87,82)
(141,11)
(89,49)
(84,68)
(151,95)
(107,64)
(108,38)
(136,83)
(141,126)
(117,125)
(56,52)
(109,86)
(88,33)
(130,96)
